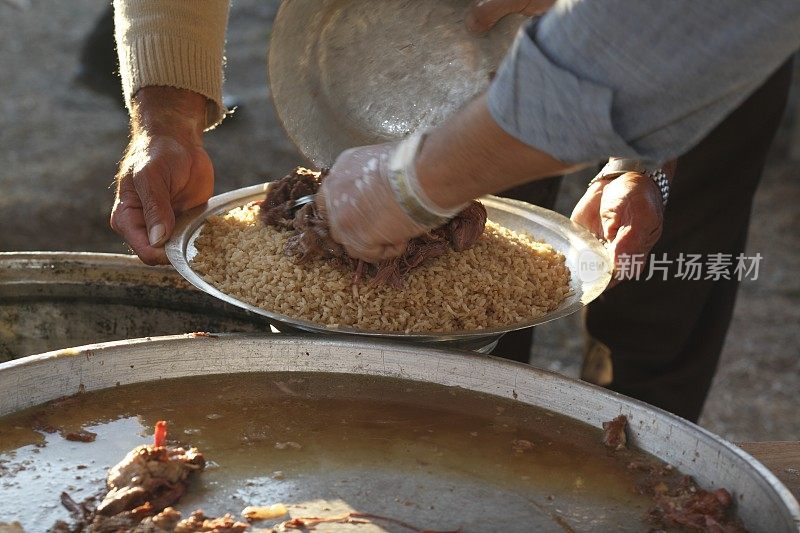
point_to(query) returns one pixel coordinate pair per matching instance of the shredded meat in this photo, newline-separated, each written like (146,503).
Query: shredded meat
(614,433)
(312,240)
(276,209)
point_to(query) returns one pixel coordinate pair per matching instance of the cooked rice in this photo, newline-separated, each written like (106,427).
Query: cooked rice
(506,278)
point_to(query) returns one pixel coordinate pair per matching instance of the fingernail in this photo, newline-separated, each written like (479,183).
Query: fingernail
(156,234)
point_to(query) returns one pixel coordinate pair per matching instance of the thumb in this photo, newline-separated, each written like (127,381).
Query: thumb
(156,208)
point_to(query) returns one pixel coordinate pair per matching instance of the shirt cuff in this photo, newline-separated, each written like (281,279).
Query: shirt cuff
(547,107)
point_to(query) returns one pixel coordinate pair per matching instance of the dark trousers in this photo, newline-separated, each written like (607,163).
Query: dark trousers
(662,338)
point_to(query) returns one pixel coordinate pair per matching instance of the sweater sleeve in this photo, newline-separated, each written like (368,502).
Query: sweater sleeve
(174,43)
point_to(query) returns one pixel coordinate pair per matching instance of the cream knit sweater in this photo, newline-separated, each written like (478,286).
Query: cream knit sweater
(175,43)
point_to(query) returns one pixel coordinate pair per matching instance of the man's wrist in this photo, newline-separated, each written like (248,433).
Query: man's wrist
(169,111)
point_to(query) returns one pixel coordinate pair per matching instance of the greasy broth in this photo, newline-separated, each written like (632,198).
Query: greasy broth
(434,456)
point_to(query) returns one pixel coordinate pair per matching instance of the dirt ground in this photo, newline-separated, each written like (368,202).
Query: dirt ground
(59,144)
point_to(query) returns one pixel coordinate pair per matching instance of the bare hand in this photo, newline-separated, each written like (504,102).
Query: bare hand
(627,212)
(484,14)
(165,170)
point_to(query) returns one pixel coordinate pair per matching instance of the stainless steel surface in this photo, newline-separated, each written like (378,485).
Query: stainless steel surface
(762,501)
(345,73)
(51,300)
(586,258)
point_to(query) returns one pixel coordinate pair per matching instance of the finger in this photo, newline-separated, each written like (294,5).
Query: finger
(376,254)
(587,210)
(154,196)
(127,221)
(610,224)
(484,14)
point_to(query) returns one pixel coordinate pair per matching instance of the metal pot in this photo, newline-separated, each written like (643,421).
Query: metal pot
(763,503)
(54,300)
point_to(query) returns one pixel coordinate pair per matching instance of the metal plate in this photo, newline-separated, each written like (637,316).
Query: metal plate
(52,300)
(587,259)
(346,73)
(763,503)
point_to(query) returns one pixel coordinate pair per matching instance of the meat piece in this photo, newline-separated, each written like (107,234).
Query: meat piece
(693,509)
(140,489)
(199,522)
(614,433)
(312,240)
(166,520)
(149,474)
(81,436)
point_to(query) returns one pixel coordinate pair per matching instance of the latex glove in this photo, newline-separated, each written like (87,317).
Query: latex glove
(627,212)
(484,14)
(164,172)
(361,208)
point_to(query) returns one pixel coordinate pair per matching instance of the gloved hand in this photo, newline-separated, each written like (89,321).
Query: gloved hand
(361,208)
(627,212)
(484,14)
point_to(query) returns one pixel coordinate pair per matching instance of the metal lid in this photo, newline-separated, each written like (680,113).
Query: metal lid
(346,73)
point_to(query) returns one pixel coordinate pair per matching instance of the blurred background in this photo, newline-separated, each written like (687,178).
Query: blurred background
(60,142)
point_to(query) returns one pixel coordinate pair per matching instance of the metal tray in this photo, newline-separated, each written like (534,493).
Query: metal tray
(346,73)
(586,258)
(52,300)
(762,502)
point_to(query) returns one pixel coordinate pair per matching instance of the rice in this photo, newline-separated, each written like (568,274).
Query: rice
(506,278)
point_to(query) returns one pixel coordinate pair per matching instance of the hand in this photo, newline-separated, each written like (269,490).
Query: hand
(361,208)
(165,170)
(627,212)
(484,14)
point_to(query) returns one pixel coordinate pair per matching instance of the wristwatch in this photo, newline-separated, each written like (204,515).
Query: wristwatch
(616,167)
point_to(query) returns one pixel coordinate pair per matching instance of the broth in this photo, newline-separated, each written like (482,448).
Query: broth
(434,456)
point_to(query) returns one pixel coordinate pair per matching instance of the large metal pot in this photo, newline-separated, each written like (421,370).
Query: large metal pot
(51,300)
(763,503)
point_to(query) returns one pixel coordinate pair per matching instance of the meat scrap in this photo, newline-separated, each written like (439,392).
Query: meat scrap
(198,522)
(614,433)
(140,490)
(81,436)
(312,240)
(678,502)
(691,508)
(149,474)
